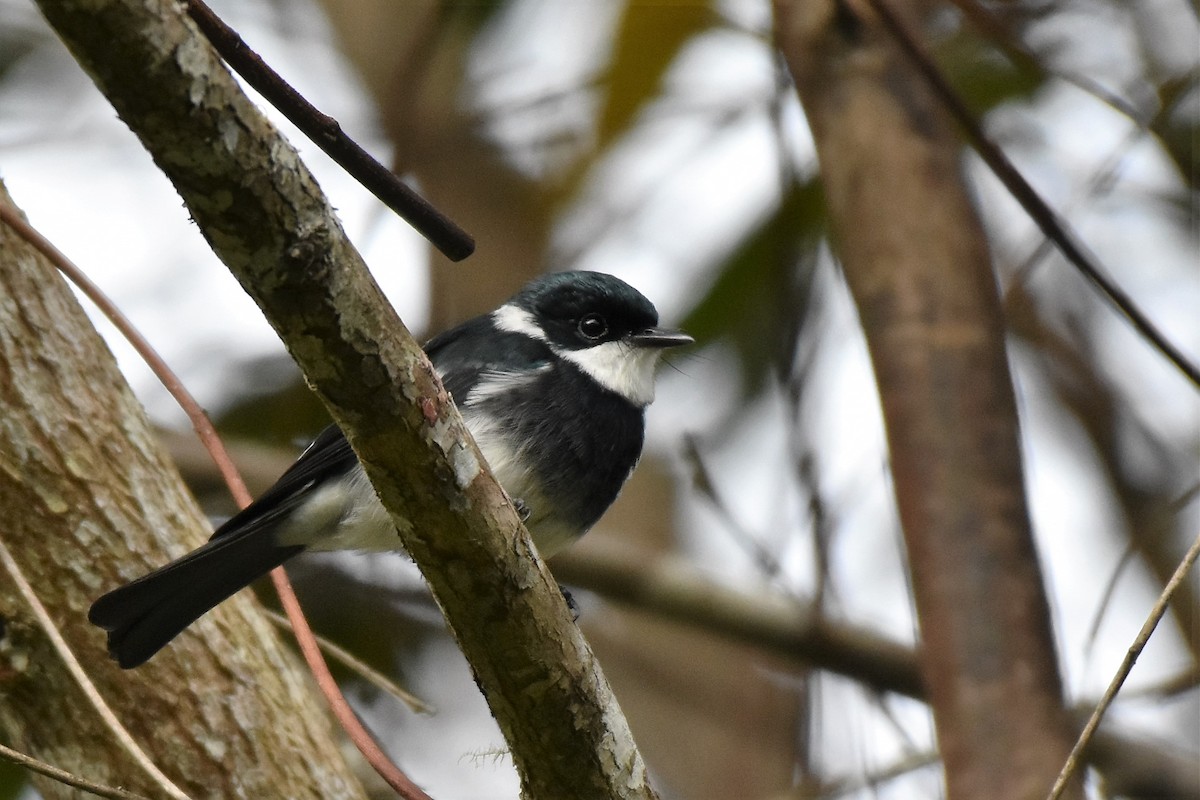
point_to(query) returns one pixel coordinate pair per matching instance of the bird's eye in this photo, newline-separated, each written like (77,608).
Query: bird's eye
(593,326)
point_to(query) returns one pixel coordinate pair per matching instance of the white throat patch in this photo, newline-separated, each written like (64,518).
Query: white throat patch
(619,367)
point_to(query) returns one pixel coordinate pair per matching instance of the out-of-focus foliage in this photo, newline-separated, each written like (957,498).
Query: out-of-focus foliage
(756,301)
(12,780)
(661,143)
(983,75)
(647,41)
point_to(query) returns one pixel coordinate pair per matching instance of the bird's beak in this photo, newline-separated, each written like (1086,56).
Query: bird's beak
(660,338)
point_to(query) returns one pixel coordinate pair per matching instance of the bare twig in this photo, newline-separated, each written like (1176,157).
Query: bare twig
(85,684)
(1131,656)
(703,483)
(874,780)
(1038,209)
(787,626)
(327,134)
(62,776)
(212,442)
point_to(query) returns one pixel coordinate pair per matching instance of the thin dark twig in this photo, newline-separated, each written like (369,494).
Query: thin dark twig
(997,31)
(702,481)
(1038,210)
(62,776)
(305,637)
(1118,679)
(325,132)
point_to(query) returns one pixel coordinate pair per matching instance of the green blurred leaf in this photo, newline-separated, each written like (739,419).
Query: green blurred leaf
(12,780)
(648,39)
(984,76)
(473,15)
(753,303)
(1177,127)
(274,405)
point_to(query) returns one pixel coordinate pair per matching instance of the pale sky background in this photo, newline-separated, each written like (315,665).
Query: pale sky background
(86,183)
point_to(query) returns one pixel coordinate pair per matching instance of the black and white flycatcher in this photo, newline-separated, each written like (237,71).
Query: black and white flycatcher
(553,385)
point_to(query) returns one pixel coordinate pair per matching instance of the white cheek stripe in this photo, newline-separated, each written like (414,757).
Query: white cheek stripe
(517,320)
(619,367)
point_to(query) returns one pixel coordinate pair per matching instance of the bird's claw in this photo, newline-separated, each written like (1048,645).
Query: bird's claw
(523,511)
(572,606)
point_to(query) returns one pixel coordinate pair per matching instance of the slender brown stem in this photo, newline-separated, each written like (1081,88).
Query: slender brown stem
(326,133)
(1156,614)
(64,777)
(1052,226)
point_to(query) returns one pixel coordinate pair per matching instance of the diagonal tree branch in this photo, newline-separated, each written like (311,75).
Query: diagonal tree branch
(262,213)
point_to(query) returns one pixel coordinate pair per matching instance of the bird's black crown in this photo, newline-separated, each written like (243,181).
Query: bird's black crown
(577,310)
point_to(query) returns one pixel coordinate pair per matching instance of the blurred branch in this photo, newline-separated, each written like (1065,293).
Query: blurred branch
(266,219)
(787,629)
(325,132)
(1055,228)
(916,261)
(1145,501)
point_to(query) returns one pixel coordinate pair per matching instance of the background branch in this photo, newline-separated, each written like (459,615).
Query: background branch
(917,265)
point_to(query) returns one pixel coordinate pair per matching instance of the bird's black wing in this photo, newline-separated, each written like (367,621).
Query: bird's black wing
(328,457)
(469,353)
(462,355)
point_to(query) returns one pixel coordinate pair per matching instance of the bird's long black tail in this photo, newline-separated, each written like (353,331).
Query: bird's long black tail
(141,617)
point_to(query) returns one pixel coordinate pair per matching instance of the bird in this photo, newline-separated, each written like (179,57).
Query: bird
(553,386)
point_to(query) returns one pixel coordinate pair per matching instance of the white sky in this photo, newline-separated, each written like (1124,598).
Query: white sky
(85,182)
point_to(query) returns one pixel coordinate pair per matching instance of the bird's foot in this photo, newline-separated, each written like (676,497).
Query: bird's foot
(572,606)
(523,511)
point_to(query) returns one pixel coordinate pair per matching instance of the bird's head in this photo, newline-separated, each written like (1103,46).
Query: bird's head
(599,323)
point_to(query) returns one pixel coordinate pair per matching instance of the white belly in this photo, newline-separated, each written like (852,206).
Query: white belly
(347,515)
(342,515)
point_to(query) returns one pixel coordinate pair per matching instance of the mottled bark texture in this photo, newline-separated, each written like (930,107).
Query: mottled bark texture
(916,261)
(266,219)
(90,501)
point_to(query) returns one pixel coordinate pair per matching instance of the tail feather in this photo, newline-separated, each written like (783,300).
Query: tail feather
(144,615)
